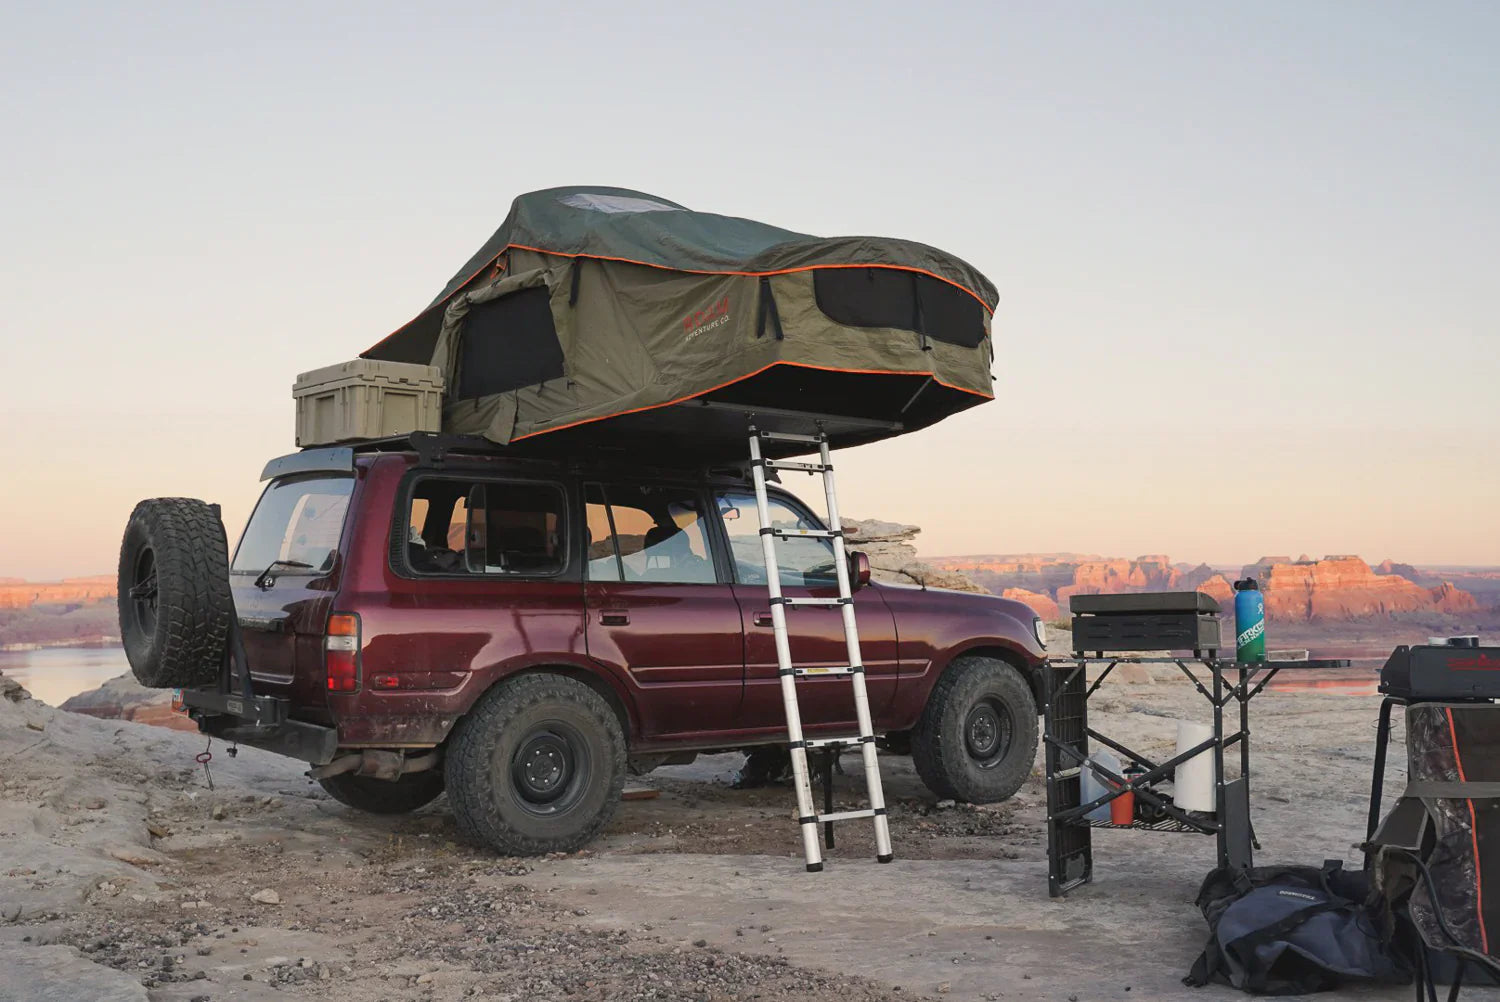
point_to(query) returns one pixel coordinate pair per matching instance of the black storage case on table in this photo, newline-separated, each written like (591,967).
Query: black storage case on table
(1152,621)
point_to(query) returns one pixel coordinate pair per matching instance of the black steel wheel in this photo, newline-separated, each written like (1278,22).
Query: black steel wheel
(977,737)
(987,732)
(551,769)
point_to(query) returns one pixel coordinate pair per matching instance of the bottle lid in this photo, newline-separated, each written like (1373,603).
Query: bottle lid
(1247,584)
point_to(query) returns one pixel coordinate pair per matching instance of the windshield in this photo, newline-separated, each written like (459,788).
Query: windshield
(299,521)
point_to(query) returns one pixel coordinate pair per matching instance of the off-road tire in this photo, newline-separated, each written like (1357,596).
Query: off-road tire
(941,746)
(382,796)
(482,761)
(174,600)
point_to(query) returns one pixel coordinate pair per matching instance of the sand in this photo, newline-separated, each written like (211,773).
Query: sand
(123,874)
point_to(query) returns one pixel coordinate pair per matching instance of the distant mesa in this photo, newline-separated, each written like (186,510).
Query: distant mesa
(1337,587)
(18,593)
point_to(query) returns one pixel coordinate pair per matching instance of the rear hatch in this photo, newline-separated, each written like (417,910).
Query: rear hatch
(284,577)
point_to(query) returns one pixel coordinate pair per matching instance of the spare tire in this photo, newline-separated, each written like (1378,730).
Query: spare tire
(174,598)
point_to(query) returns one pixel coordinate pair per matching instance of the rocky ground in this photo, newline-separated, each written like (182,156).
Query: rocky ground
(123,875)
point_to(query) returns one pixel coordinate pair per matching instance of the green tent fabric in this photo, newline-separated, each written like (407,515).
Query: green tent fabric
(598,315)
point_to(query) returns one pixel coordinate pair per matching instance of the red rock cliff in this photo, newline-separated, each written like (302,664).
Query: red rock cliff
(70,591)
(1345,587)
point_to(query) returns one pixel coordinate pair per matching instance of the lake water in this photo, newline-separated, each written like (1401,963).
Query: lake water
(55,673)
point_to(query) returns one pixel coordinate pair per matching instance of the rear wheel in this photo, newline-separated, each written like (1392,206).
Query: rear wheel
(174,600)
(977,737)
(382,796)
(537,766)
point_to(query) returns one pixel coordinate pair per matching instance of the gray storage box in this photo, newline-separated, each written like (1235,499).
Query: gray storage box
(365,399)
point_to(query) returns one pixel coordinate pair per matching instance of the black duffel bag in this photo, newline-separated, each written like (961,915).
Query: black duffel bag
(1290,930)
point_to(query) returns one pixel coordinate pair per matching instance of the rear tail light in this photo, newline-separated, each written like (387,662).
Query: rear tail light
(341,652)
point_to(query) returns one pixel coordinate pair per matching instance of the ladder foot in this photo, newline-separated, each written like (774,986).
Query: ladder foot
(886,858)
(814,867)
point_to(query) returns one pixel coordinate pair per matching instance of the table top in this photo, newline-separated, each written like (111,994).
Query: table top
(1215,664)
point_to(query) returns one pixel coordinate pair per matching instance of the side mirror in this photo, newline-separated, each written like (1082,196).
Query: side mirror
(859,568)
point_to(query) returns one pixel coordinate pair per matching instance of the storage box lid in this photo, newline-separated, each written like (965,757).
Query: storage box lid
(371,370)
(1144,602)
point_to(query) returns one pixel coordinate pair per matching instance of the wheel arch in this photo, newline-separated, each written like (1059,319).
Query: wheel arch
(599,681)
(1029,668)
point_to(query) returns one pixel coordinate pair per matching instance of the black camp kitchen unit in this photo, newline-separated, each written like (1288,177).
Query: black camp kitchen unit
(1111,630)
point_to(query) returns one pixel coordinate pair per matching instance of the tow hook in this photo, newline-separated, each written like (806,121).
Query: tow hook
(388,765)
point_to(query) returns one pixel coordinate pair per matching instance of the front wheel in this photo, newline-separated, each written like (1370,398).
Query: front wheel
(536,767)
(977,737)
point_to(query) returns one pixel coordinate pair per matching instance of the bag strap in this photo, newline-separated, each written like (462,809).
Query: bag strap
(1435,789)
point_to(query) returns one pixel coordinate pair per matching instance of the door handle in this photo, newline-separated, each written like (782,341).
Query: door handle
(614,618)
(763,619)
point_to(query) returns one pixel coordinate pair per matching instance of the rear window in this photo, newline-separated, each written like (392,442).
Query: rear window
(296,526)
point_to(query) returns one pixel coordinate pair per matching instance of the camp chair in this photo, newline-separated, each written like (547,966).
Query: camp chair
(1431,854)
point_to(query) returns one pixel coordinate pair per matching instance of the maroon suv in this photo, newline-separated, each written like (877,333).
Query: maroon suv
(521,633)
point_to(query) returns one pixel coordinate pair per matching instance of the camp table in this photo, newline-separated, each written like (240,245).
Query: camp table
(1066,734)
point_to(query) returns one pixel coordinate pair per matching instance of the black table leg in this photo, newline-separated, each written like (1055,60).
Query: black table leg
(1377,779)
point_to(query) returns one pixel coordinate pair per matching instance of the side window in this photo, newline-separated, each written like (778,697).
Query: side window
(603,561)
(485,527)
(804,562)
(648,534)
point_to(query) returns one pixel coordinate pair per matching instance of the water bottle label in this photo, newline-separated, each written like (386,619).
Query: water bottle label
(1254,632)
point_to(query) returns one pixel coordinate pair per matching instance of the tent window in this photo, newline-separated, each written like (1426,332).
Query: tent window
(508,343)
(904,300)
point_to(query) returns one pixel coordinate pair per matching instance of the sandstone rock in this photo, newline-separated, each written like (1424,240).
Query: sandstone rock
(1040,604)
(62,974)
(12,690)
(1406,571)
(893,558)
(1344,587)
(1449,598)
(266,897)
(123,698)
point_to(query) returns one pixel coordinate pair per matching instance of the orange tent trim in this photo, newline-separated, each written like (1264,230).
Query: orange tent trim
(751,375)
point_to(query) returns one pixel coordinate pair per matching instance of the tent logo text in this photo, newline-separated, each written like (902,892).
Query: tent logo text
(706,319)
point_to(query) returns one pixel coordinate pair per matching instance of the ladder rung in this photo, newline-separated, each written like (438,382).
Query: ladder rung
(782,464)
(803,533)
(853,742)
(787,436)
(839,670)
(814,601)
(842,816)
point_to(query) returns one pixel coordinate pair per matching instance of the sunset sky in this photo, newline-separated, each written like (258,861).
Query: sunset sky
(1246,253)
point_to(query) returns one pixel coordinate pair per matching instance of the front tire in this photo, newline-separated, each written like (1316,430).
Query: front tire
(536,767)
(977,737)
(382,796)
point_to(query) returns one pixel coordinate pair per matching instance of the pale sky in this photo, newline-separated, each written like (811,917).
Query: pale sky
(1246,253)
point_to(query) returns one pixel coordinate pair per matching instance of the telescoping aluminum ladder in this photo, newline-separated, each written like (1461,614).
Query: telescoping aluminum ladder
(807,815)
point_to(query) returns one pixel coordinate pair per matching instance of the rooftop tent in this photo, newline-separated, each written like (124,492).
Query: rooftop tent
(609,319)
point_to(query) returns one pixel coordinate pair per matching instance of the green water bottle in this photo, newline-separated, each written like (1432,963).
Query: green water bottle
(1249,622)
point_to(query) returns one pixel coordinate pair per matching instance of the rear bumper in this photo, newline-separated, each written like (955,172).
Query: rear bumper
(260,722)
